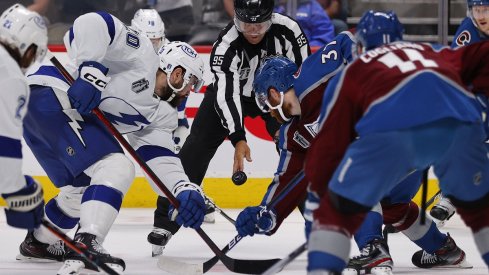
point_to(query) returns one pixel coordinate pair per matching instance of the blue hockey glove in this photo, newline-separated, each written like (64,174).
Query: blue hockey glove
(192,208)
(86,91)
(180,134)
(26,206)
(255,219)
(312,203)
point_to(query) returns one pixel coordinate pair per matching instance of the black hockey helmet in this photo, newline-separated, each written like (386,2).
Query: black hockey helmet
(253,11)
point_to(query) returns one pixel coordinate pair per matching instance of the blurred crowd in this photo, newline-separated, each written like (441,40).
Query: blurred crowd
(197,22)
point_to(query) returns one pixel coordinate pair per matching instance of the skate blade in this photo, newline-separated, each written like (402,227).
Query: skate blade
(381,270)
(74,267)
(71,267)
(374,271)
(28,259)
(156,250)
(350,271)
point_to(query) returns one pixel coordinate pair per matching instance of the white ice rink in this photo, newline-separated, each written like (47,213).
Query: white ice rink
(127,239)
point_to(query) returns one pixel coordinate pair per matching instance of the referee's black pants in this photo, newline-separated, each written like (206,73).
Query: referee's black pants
(206,135)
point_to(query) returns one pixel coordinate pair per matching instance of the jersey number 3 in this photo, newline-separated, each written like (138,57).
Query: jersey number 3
(392,60)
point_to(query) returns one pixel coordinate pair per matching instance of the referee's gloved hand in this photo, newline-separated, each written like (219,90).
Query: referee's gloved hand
(192,208)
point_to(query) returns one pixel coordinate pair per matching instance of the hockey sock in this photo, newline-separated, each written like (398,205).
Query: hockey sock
(432,240)
(328,250)
(60,219)
(100,206)
(370,229)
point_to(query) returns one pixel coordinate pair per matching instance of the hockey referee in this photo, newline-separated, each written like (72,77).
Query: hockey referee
(255,33)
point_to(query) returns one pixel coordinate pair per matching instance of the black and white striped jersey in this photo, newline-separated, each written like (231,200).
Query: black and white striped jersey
(234,60)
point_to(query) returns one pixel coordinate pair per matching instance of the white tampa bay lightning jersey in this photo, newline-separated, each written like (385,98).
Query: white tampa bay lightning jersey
(127,100)
(14,96)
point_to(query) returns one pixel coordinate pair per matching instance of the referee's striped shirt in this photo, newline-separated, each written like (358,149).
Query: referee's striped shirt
(234,62)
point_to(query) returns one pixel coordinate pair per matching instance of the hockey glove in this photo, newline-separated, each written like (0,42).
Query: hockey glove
(180,134)
(192,208)
(312,203)
(26,206)
(255,219)
(86,91)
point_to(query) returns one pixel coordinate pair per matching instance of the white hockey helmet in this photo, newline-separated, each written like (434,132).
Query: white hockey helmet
(22,28)
(148,22)
(180,54)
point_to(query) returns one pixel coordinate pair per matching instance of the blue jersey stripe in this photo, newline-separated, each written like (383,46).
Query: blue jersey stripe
(110,24)
(49,71)
(104,194)
(71,35)
(63,220)
(10,148)
(149,152)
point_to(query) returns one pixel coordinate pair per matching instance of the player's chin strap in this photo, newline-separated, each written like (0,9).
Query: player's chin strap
(279,108)
(175,90)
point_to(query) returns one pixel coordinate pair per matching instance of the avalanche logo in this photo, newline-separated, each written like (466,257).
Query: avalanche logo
(123,115)
(463,38)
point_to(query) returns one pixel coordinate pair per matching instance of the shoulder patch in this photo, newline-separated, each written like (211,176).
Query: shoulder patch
(463,38)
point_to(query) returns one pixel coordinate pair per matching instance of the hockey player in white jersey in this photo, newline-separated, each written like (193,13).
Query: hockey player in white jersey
(138,91)
(148,22)
(23,39)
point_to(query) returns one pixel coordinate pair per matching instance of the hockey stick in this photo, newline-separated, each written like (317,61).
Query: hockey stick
(424,194)
(259,266)
(234,265)
(277,267)
(220,211)
(81,251)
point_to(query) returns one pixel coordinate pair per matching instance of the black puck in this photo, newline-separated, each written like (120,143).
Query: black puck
(239,178)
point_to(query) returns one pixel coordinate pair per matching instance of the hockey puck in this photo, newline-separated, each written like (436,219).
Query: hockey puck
(239,178)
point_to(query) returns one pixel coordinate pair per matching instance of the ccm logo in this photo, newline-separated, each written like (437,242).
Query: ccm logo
(93,79)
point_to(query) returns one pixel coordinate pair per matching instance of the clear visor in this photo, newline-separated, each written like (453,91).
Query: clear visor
(157,43)
(196,84)
(252,28)
(263,103)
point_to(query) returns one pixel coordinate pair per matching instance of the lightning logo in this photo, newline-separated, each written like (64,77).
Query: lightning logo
(127,119)
(75,117)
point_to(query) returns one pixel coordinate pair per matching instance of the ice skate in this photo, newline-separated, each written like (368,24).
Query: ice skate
(443,210)
(158,238)
(33,250)
(210,211)
(74,263)
(449,256)
(373,259)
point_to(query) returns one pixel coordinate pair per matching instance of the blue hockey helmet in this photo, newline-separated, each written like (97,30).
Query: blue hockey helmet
(378,28)
(471,3)
(275,72)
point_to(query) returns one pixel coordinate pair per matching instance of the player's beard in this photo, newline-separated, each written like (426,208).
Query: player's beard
(177,100)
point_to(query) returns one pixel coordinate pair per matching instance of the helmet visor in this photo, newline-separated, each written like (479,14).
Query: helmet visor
(265,105)
(196,84)
(252,28)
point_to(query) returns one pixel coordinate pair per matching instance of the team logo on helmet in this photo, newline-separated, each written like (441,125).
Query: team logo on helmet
(40,22)
(189,51)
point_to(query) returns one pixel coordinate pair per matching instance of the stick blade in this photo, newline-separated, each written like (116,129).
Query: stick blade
(172,265)
(253,266)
